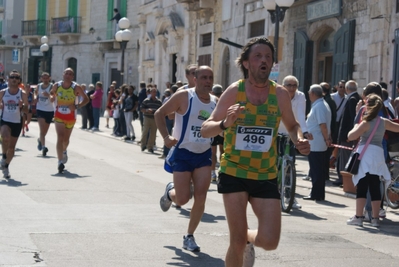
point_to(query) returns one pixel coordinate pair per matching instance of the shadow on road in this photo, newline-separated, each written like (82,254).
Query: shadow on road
(206,217)
(12,182)
(69,175)
(306,215)
(193,259)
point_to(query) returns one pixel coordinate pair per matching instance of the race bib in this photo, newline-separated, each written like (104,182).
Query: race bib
(254,138)
(43,99)
(64,109)
(195,135)
(11,107)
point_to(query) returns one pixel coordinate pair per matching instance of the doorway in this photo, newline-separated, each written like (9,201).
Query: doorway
(325,58)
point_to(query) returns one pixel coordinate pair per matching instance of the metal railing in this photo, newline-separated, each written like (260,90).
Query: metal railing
(66,25)
(35,27)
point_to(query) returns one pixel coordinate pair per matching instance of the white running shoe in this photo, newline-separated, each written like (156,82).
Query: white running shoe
(296,205)
(190,244)
(355,221)
(249,256)
(375,222)
(6,173)
(164,202)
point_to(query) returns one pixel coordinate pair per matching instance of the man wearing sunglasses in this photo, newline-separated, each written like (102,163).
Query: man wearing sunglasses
(15,103)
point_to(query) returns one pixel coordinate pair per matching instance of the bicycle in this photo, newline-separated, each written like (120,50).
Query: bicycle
(392,188)
(286,173)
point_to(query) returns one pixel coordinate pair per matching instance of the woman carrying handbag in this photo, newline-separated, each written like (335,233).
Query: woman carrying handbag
(372,164)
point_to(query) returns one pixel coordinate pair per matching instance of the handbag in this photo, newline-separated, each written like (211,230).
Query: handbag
(352,166)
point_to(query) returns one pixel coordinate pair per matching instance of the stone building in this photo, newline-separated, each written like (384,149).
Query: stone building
(81,36)
(11,43)
(322,40)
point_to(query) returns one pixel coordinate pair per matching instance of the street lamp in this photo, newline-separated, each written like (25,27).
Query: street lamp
(44,48)
(277,9)
(123,36)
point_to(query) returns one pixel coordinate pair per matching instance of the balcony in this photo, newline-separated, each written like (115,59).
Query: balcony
(196,5)
(33,30)
(67,28)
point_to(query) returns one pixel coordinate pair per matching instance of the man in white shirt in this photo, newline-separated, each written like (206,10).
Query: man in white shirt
(298,103)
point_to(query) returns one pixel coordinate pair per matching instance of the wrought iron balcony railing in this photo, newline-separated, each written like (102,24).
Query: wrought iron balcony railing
(35,27)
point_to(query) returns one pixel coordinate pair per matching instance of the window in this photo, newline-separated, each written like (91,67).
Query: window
(204,60)
(256,28)
(397,6)
(206,39)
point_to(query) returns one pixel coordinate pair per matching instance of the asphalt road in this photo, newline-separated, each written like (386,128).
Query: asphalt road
(104,211)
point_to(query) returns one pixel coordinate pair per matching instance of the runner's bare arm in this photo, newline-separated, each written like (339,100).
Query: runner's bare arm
(25,103)
(177,103)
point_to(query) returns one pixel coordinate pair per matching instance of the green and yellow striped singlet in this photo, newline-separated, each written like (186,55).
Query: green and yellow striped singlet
(250,148)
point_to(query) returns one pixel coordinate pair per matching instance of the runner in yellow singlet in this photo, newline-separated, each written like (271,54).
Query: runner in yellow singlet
(65,92)
(249,112)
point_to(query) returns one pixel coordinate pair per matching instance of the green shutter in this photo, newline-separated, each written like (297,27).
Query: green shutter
(110,14)
(302,67)
(344,43)
(123,8)
(95,77)
(73,8)
(41,17)
(73,13)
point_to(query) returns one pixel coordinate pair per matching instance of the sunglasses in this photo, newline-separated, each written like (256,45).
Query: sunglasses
(291,85)
(14,77)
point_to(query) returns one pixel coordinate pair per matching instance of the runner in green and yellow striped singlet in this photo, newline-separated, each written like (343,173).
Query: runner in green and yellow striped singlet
(251,150)
(249,113)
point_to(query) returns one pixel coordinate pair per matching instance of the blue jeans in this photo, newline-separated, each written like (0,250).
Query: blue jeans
(96,115)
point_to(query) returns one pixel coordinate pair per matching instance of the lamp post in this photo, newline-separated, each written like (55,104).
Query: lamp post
(277,9)
(44,48)
(123,36)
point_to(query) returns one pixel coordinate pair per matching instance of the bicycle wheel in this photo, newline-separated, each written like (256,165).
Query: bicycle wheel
(287,187)
(389,192)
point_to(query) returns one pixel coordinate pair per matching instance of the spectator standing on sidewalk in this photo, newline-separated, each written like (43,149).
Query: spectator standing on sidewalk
(372,166)
(108,108)
(83,110)
(319,135)
(346,124)
(44,110)
(96,101)
(298,104)
(89,107)
(14,102)
(142,96)
(131,104)
(149,106)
